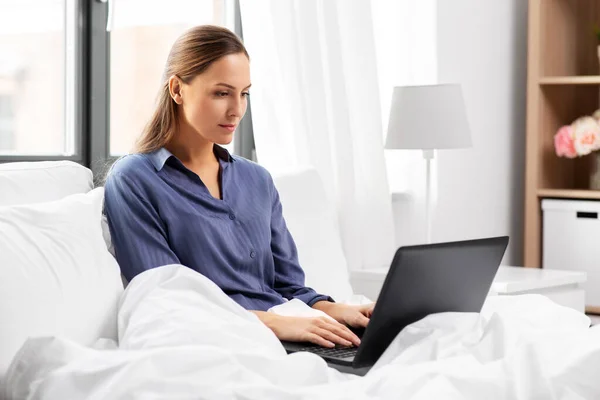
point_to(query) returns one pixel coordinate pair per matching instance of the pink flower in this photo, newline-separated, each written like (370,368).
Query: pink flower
(563,142)
(585,135)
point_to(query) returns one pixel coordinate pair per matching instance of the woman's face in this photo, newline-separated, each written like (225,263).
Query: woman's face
(215,101)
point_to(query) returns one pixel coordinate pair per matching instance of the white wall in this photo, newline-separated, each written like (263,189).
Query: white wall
(481,45)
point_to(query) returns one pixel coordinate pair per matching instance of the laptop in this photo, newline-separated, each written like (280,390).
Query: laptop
(422,280)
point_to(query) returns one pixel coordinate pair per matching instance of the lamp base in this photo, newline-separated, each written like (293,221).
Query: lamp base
(428,155)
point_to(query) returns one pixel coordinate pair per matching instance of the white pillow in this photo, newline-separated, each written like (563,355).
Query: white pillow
(42,181)
(56,275)
(311,220)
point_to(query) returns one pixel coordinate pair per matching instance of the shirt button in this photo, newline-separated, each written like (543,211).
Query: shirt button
(231,217)
(252,254)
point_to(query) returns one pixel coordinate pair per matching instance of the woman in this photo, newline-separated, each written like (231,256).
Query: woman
(183,199)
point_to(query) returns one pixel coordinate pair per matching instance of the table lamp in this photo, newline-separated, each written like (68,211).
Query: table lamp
(428,118)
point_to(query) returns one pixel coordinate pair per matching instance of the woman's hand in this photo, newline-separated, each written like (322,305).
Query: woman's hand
(319,330)
(355,316)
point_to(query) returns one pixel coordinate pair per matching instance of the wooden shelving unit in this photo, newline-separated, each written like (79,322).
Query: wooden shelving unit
(569,194)
(570,80)
(563,83)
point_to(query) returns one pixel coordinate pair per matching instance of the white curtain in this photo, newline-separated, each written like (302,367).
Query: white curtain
(315,101)
(406,45)
(405,41)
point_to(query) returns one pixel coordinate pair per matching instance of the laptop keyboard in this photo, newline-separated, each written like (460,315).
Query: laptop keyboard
(336,352)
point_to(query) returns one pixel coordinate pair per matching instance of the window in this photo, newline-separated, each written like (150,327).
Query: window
(71,89)
(37,74)
(139,45)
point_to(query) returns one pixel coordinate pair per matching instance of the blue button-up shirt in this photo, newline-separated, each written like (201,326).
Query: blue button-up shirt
(159,212)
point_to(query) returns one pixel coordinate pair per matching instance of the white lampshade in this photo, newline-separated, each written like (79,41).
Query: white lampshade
(428,117)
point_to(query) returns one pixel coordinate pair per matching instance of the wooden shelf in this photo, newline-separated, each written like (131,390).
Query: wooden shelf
(592,310)
(570,80)
(570,194)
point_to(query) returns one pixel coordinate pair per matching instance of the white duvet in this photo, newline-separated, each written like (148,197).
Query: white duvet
(181,337)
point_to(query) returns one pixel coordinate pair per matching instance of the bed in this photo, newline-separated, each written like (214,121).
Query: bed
(70,330)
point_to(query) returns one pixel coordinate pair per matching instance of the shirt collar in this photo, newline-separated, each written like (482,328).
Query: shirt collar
(160,156)
(222,153)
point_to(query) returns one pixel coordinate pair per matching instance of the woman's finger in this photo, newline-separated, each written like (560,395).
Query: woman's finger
(332,337)
(367,310)
(317,339)
(359,321)
(343,331)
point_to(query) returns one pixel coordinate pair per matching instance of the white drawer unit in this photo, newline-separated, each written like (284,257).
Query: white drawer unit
(571,241)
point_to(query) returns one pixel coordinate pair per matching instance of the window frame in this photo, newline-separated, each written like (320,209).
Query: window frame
(244,141)
(98,101)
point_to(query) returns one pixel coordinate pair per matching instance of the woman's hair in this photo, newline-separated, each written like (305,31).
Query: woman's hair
(191,54)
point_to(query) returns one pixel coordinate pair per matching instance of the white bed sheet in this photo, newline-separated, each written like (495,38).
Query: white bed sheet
(181,337)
